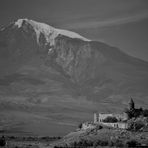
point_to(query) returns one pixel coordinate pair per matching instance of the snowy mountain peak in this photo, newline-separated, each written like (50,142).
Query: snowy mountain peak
(49,32)
(19,22)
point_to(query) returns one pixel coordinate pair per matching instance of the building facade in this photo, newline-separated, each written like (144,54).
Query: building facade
(122,118)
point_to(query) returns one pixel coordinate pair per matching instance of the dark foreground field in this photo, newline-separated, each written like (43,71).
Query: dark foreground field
(29,141)
(96,138)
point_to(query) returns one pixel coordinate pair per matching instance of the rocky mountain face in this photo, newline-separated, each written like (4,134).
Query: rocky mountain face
(97,67)
(58,73)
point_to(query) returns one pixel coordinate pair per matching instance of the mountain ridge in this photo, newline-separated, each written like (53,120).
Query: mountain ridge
(49,31)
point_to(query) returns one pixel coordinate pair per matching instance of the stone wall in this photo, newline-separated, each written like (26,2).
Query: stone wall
(98,119)
(101,116)
(120,125)
(87,125)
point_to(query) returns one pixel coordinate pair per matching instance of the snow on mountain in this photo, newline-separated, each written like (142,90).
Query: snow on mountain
(49,32)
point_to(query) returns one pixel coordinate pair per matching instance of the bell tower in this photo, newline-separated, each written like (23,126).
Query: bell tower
(131,105)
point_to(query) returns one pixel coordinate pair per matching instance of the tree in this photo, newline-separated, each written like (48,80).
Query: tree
(2,141)
(132,143)
(135,125)
(134,112)
(80,126)
(145,112)
(137,112)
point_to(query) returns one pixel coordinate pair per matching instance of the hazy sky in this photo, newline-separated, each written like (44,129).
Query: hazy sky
(121,23)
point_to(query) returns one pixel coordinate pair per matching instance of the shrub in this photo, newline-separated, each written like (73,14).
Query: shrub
(103,143)
(2,141)
(100,143)
(139,125)
(80,126)
(134,112)
(132,143)
(99,127)
(82,143)
(130,113)
(145,112)
(138,112)
(118,143)
(110,119)
(136,125)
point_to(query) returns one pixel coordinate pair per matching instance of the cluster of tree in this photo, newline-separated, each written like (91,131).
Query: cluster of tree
(77,144)
(133,143)
(82,143)
(2,141)
(33,138)
(110,119)
(136,125)
(134,113)
(98,127)
(145,112)
(97,143)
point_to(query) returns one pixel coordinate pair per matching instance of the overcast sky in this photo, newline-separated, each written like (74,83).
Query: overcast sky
(121,23)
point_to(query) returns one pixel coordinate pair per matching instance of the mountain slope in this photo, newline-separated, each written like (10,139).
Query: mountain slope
(63,77)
